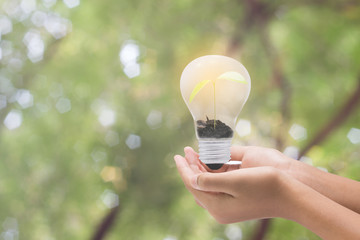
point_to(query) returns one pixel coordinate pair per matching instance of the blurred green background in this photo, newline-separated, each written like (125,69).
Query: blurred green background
(91,113)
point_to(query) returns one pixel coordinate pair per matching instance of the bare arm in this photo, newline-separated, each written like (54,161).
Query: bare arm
(342,190)
(263,192)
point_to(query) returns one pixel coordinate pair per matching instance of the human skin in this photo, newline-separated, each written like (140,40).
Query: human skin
(264,188)
(342,190)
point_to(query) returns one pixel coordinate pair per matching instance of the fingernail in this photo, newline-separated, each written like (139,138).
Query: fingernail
(177,158)
(186,149)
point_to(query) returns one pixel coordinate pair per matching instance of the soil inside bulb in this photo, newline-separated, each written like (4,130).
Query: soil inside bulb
(207,129)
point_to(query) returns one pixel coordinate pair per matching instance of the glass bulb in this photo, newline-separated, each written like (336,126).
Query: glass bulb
(215,89)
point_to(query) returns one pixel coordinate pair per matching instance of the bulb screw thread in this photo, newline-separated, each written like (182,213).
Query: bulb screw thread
(214,153)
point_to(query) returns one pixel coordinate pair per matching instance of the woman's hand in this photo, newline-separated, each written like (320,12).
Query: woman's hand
(267,186)
(341,190)
(235,195)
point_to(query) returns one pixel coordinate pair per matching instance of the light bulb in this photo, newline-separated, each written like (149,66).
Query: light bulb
(215,89)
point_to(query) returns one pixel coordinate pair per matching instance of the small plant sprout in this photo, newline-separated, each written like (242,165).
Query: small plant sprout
(232,76)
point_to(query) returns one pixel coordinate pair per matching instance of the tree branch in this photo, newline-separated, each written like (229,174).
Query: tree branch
(279,79)
(255,11)
(344,112)
(105,225)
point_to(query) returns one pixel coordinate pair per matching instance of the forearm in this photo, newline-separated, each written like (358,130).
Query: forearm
(341,190)
(321,215)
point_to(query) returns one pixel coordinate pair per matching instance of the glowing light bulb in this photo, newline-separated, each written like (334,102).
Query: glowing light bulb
(215,89)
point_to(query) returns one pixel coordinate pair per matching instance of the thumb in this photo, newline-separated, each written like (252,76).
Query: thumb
(213,182)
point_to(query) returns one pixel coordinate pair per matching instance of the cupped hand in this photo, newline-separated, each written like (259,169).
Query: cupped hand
(252,156)
(236,195)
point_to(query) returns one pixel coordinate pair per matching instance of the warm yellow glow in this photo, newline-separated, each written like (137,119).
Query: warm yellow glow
(230,95)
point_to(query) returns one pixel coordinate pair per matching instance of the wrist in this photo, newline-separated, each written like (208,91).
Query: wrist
(288,199)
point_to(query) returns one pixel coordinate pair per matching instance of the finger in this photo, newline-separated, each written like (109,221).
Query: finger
(188,177)
(237,152)
(231,167)
(215,182)
(193,158)
(191,155)
(184,169)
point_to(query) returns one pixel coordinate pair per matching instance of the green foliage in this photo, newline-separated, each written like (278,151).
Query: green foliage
(85,113)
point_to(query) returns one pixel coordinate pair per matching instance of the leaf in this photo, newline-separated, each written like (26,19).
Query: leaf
(233,76)
(197,88)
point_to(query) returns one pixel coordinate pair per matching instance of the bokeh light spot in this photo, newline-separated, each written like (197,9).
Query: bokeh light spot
(13,119)
(243,127)
(154,119)
(57,26)
(110,199)
(106,117)
(28,6)
(170,238)
(132,70)
(38,18)
(111,174)
(354,135)
(233,232)
(98,155)
(292,152)
(129,55)
(35,45)
(298,132)
(63,105)
(24,98)
(48,3)
(306,160)
(133,141)
(5,25)
(71,3)
(11,229)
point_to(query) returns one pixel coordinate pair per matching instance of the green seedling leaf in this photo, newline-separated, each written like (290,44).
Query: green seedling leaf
(233,76)
(197,88)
